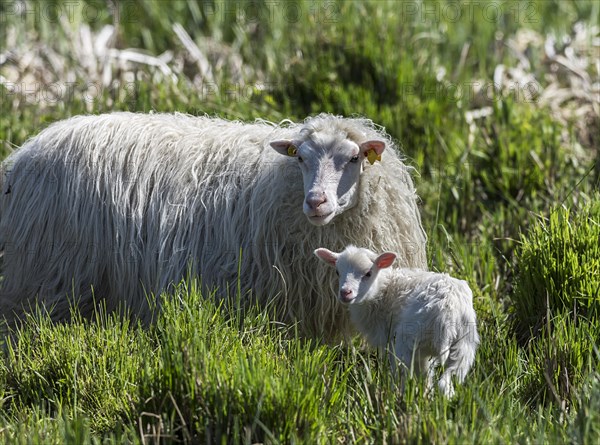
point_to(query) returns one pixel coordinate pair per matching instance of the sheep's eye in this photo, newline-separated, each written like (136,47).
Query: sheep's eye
(300,159)
(368,274)
(337,273)
(354,159)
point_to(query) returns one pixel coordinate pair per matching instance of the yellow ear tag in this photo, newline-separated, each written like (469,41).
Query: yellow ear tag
(372,156)
(292,150)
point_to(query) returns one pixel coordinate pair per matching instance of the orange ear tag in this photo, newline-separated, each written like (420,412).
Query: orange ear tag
(372,156)
(292,150)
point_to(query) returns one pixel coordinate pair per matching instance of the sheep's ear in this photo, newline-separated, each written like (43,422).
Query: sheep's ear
(385,260)
(286,147)
(372,150)
(327,256)
(378,146)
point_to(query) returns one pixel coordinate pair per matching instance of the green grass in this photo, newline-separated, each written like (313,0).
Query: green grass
(556,300)
(509,202)
(198,375)
(559,272)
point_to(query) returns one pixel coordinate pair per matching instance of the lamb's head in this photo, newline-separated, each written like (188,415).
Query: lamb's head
(358,270)
(331,166)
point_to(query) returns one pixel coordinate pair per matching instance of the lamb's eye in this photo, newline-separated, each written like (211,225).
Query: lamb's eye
(300,159)
(368,274)
(354,159)
(337,273)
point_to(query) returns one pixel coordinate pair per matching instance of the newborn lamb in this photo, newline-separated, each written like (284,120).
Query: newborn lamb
(425,318)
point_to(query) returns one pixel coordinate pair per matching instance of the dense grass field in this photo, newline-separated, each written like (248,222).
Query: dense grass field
(496,105)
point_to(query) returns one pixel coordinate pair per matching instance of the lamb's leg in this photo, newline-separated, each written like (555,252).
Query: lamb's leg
(458,362)
(430,365)
(424,365)
(404,353)
(445,384)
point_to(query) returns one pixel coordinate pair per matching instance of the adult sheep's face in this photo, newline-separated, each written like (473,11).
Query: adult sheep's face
(331,173)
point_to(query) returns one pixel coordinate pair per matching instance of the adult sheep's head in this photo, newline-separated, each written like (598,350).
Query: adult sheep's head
(331,167)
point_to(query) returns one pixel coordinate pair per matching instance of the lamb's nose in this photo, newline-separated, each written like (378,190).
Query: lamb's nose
(346,295)
(314,200)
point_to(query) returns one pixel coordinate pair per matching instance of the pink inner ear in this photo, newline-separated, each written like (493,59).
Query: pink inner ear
(326,255)
(378,146)
(385,260)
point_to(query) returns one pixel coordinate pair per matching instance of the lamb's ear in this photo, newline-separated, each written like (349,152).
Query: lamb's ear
(385,260)
(372,150)
(286,147)
(327,256)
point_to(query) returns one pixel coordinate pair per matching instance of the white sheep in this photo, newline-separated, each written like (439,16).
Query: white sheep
(119,205)
(424,318)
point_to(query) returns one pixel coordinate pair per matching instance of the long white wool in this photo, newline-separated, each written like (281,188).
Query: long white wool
(126,204)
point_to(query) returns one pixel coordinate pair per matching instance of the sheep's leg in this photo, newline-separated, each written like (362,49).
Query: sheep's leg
(458,362)
(388,353)
(431,363)
(404,353)
(445,384)
(424,365)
